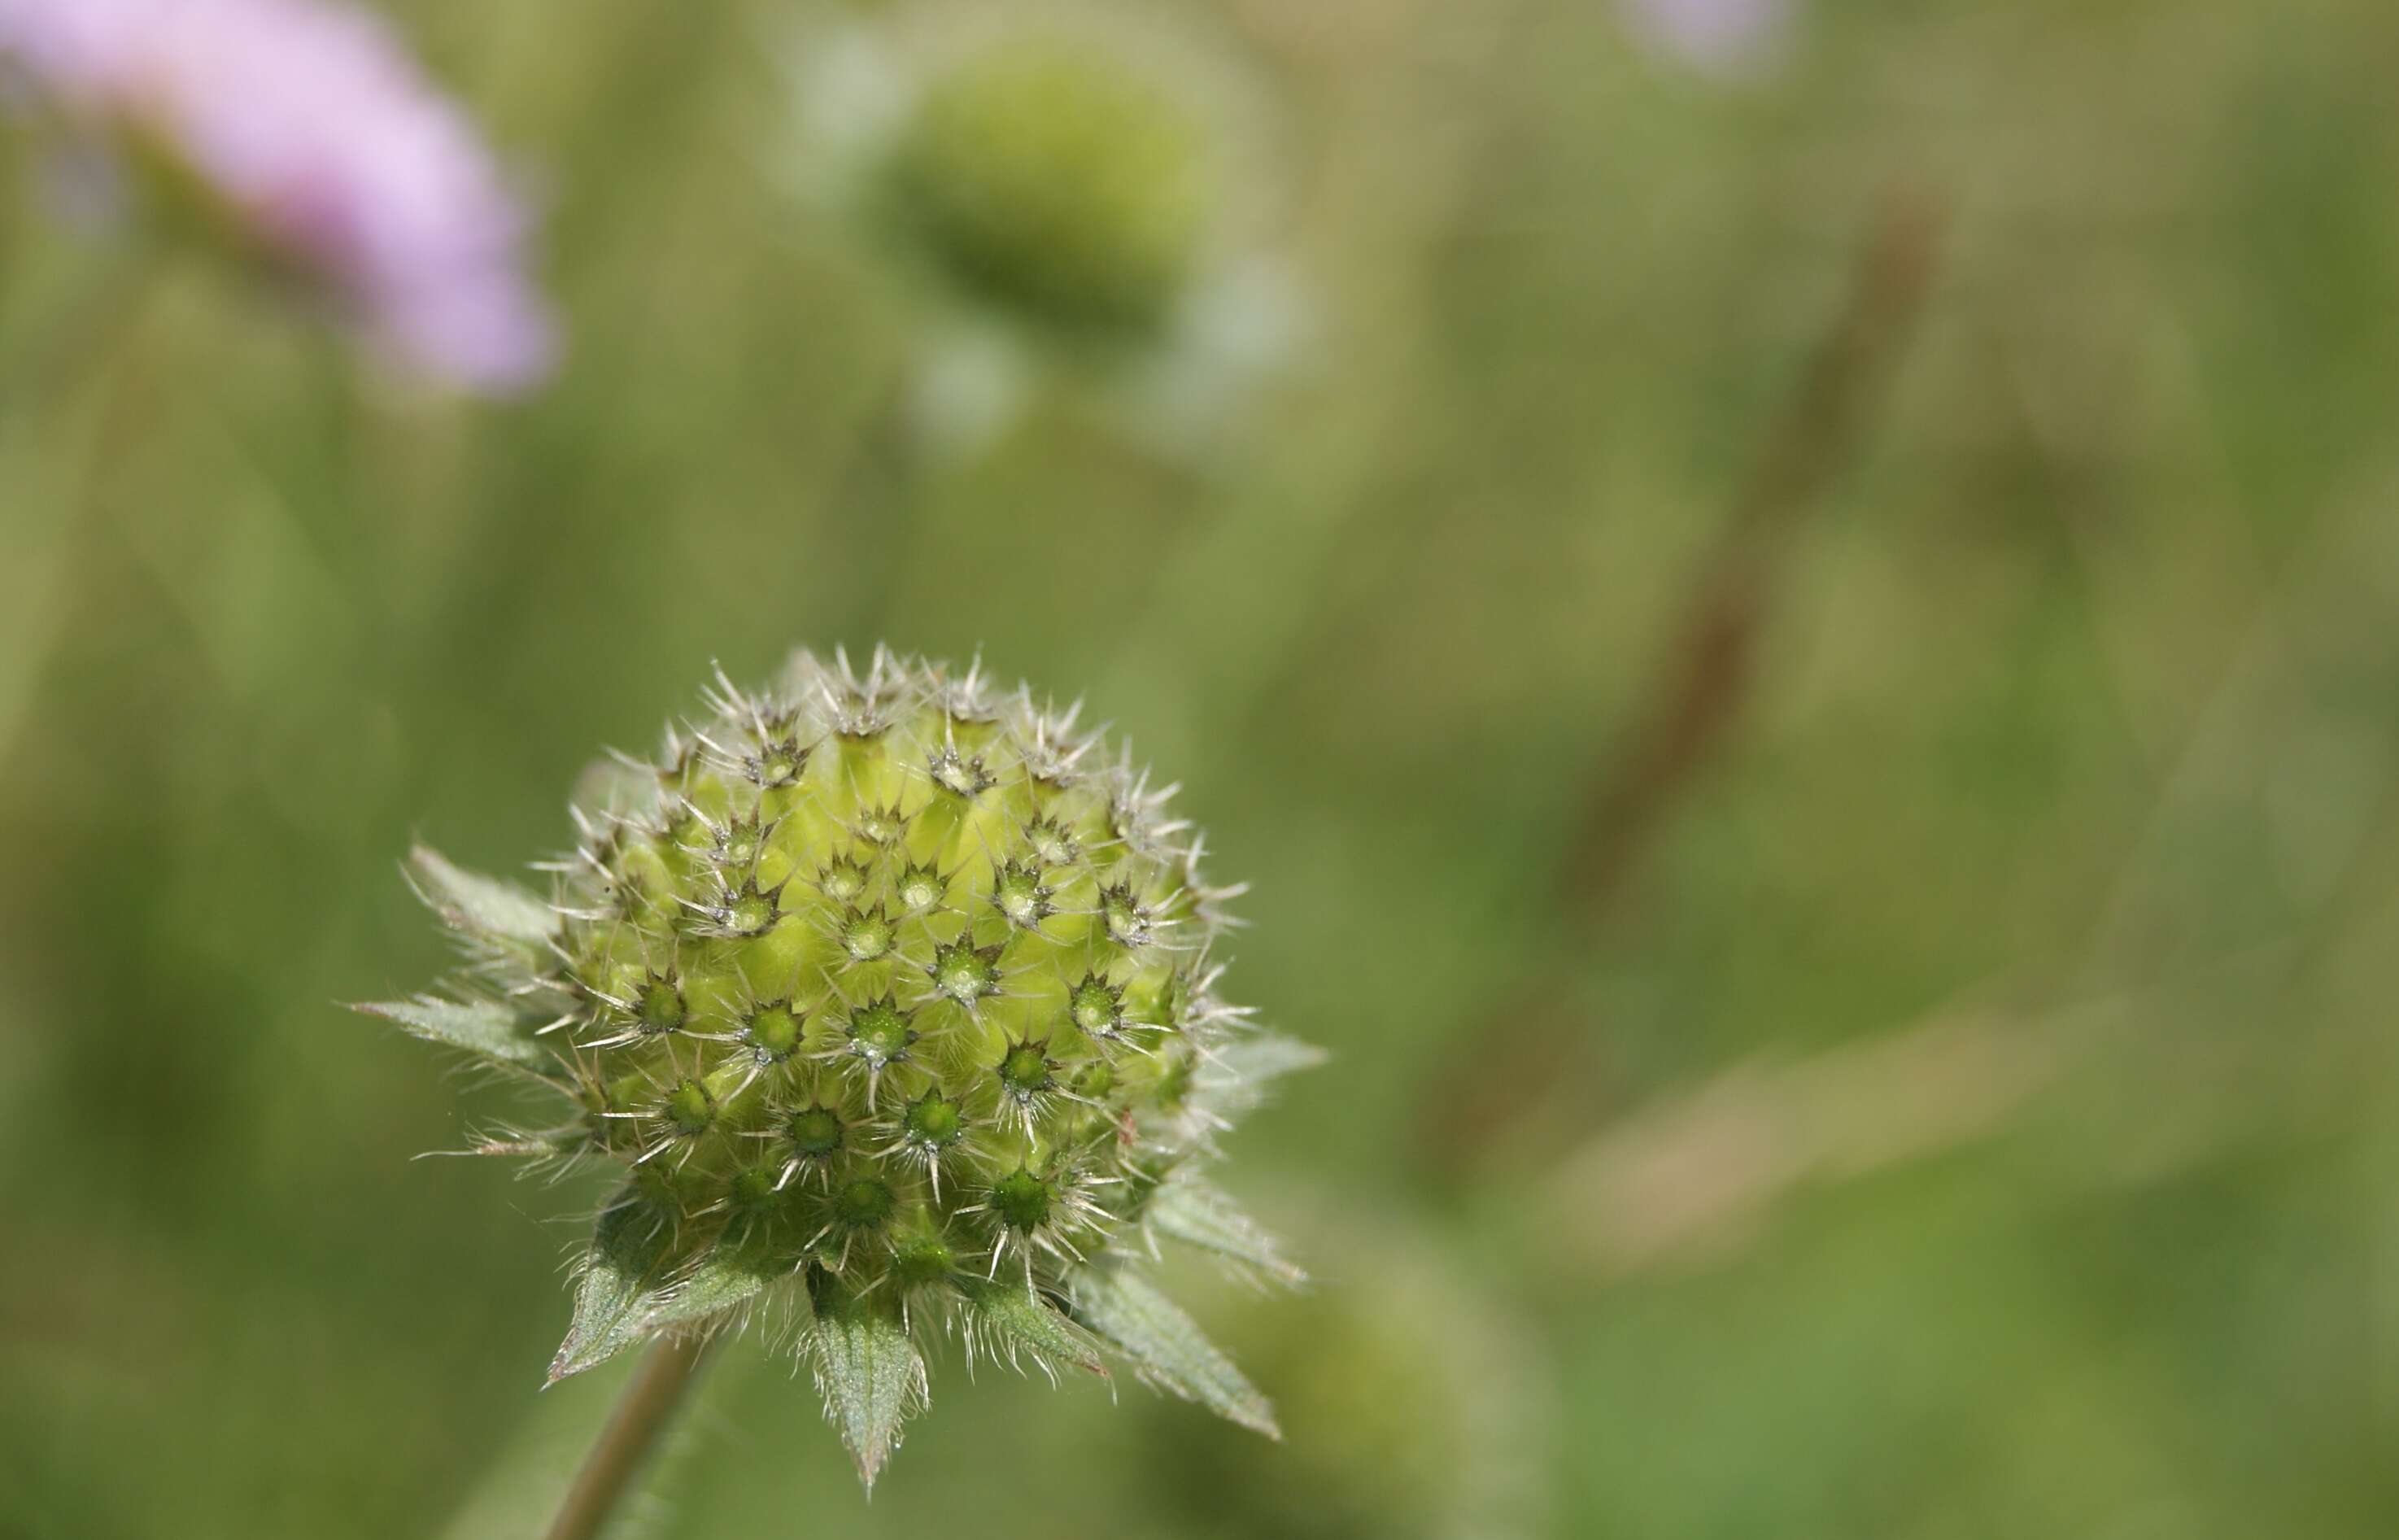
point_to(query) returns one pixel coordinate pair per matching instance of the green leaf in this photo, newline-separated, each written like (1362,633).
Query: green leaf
(870,1372)
(483,907)
(731,1275)
(1234,1078)
(1167,1347)
(633,1286)
(482,1027)
(610,788)
(616,1292)
(1017,1320)
(1197,1214)
(549,1144)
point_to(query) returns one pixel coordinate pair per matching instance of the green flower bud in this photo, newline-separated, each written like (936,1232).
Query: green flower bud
(896,999)
(1039,173)
(816,1132)
(1089,201)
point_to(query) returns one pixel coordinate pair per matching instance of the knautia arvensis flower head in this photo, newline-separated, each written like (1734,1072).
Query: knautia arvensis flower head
(895,996)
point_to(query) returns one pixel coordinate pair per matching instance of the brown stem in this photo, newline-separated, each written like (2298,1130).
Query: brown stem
(1704,676)
(633,1432)
(1702,679)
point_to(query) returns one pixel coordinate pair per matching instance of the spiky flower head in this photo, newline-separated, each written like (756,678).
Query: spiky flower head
(300,135)
(1083,197)
(894,997)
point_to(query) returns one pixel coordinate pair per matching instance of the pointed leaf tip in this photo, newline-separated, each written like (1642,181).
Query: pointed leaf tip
(1236,1078)
(1019,1320)
(1198,1214)
(478,905)
(480,1027)
(1268,1056)
(634,1286)
(1169,1349)
(727,1277)
(871,1377)
(611,1296)
(614,788)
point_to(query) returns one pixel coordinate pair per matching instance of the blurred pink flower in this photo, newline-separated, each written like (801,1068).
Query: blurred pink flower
(311,128)
(1722,37)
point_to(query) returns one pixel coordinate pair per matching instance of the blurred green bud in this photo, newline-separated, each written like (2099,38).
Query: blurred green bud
(894,997)
(1079,199)
(1039,173)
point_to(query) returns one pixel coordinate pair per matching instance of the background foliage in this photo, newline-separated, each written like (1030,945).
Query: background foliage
(1974,1118)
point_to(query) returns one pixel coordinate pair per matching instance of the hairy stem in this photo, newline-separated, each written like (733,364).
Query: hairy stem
(632,1433)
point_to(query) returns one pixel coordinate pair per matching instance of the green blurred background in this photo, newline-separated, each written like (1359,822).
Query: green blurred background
(1975,1116)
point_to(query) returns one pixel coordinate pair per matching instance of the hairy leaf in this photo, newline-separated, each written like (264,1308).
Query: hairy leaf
(613,787)
(1197,1214)
(480,1027)
(618,1289)
(870,1372)
(731,1275)
(482,907)
(1169,1349)
(1234,1078)
(548,1144)
(1014,1321)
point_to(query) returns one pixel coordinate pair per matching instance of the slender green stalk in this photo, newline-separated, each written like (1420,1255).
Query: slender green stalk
(641,1414)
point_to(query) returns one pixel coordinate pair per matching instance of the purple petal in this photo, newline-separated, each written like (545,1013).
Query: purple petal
(314,126)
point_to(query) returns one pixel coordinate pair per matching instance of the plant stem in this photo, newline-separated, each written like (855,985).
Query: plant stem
(633,1432)
(1707,675)
(1701,685)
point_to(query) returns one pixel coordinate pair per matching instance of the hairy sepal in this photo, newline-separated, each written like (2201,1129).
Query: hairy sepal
(632,1284)
(488,1030)
(484,907)
(1237,1076)
(1196,1214)
(620,1281)
(869,1371)
(1009,1320)
(1168,1349)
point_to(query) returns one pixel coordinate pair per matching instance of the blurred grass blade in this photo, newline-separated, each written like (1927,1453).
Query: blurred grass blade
(1169,1349)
